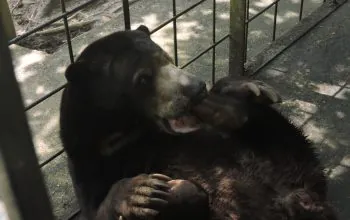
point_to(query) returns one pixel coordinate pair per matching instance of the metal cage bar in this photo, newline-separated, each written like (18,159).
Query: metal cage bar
(175,34)
(301,10)
(275,22)
(177,16)
(237,36)
(66,28)
(34,30)
(246,31)
(22,186)
(262,11)
(126,12)
(35,103)
(213,42)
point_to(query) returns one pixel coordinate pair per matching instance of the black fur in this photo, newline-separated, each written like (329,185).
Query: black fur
(248,176)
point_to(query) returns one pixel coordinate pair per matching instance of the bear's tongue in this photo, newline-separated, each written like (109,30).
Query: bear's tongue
(184,124)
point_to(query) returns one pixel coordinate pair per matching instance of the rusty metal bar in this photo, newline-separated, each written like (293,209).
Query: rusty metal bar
(22,186)
(237,36)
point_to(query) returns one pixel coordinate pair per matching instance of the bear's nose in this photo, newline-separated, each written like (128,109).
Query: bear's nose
(196,91)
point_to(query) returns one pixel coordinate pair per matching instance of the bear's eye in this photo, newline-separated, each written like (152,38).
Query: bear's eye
(143,78)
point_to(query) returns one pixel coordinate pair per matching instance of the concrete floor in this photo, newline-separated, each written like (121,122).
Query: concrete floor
(312,75)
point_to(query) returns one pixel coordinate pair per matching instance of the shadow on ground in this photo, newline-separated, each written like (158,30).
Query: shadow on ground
(313,76)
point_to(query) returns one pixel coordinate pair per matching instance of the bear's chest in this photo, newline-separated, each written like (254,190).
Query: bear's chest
(207,158)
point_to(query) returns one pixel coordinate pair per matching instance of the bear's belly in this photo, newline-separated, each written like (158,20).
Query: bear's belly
(238,178)
(230,176)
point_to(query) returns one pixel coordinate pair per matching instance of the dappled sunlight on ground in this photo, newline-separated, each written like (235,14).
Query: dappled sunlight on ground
(25,61)
(313,78)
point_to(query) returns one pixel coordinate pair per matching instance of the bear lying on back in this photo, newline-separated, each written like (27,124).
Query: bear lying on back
(131,122)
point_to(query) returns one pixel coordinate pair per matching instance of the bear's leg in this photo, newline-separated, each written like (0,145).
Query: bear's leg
(304,204)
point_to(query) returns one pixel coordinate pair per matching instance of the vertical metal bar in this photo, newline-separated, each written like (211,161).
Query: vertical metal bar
(275,22)
(66,27)
(175,34)
(214,42)
(237,32)
(126,12)
(246,31)
(5,16)
(301,10)
(21,184)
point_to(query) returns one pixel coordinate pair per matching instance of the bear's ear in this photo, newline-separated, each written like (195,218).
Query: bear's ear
(145,29)
(76,71)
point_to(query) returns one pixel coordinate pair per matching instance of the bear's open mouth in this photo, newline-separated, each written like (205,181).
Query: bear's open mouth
(181,124)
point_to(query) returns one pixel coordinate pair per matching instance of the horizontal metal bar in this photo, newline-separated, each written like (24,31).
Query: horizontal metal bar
(21,37)
(204,51)
(51,158)
(178,15)
(262,11)
(38,101)
(22,183)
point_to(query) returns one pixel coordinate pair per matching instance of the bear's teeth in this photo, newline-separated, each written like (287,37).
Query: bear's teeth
(184,124)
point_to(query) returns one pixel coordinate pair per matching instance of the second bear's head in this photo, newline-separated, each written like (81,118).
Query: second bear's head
(129,76)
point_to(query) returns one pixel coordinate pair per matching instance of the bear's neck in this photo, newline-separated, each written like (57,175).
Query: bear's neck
(87,125)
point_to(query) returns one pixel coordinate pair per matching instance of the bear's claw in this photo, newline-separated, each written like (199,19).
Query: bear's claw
(250,90)
(144,196)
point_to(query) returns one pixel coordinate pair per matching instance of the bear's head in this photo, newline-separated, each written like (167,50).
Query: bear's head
(129,79)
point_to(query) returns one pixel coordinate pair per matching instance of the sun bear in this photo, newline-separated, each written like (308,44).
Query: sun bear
(147,140)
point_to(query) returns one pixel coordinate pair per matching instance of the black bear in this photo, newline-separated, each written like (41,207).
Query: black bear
(145,140)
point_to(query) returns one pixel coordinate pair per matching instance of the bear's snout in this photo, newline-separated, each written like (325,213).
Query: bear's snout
(196,91)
